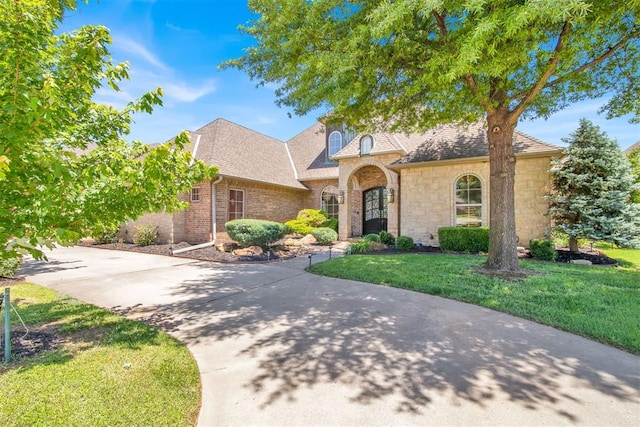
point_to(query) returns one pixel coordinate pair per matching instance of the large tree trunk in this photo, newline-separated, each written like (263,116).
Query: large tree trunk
(573,244)
(503,255)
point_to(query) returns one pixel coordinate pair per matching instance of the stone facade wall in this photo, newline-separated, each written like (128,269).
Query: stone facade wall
(162,220)
(428,198)
(313,199)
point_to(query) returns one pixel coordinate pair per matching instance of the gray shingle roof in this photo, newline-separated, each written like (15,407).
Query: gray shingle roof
(308,151)
(242,153)
(450,142)
(633,147)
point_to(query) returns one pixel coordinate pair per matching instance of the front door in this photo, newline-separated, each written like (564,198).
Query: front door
(375,210)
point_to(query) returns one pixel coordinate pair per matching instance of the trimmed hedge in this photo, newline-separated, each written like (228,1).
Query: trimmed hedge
(372,238)
(464,239)
(324,235)
(543,249)
(255,232)
(299,226)
(404,243)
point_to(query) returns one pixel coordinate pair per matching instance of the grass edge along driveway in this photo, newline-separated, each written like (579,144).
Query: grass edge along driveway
(103,369)
(601,303)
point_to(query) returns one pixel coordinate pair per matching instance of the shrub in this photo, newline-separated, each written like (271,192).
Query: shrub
(255,232)
(464,239)
(372,238)
(543,249)
(9,267)
(104,234)
(404,243)
(324,235)
(360,246)
(307,220)
(387,238)
(299,226)
(331,223)
(145,235)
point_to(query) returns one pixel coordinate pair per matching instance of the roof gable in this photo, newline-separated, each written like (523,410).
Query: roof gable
(309,155)
(242,153)
(635,146)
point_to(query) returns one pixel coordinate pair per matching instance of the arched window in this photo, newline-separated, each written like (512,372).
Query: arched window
(366,144)
(335,143)
(468,201)
(329,202)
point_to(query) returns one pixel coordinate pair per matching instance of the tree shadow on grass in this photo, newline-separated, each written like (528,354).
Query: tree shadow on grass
(382,342)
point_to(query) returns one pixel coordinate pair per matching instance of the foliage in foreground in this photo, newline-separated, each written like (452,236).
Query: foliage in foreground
(65,166)
(109,371)
(255,232)
(596,302)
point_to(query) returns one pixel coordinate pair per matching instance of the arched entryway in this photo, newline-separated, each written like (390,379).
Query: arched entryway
(375,211)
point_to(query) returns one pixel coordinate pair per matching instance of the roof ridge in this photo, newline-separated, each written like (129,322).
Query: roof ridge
(539,141)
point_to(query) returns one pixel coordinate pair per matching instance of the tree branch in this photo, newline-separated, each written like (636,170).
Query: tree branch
(553,63)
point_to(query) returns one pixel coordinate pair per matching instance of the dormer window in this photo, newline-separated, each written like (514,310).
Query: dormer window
(366,144)
(335,143)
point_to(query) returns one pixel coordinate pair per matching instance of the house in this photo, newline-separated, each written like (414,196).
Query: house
(635,146)
(409,184)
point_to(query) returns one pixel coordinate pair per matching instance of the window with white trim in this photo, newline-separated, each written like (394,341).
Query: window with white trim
(329,202)
(468,201)
(366,144)
(335,143)
(195,194)
(236,204)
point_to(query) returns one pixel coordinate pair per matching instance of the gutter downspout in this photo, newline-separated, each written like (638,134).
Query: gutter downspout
(213,223)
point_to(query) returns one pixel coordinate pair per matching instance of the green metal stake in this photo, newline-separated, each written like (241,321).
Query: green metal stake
(7,326)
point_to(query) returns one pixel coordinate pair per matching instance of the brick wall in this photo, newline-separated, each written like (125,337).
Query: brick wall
(428,196)
(314,196)
(197,217)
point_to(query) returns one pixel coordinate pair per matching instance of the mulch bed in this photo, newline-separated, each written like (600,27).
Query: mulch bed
(596,257)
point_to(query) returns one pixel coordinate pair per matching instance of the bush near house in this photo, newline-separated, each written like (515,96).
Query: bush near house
(387,238)
(104,234)
(404,243)
(372,238)
(360,246)
(543,249)
(324,235)
(307,220)
(145,235)
(464,239)
(331,223)
(255,232)
(9,267)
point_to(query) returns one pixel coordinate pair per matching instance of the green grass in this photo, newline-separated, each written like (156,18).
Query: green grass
(85,381)
(629,258)
(602,303)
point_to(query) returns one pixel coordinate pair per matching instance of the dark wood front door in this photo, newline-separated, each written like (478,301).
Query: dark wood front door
(375,210)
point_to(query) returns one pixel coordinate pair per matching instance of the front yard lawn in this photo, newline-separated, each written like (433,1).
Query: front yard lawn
(602,303)
(90,367)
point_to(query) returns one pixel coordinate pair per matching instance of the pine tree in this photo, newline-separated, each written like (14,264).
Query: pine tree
(591,190)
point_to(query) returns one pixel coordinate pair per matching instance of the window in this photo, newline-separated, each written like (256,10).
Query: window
(329,202)
(335,143)
(236,204)
(468,201)
(195,194)
(366,144)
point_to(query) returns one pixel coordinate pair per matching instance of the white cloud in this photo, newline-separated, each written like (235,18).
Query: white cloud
(183,92)
(127,45)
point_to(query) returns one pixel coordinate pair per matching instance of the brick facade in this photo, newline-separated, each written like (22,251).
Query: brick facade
(162,220)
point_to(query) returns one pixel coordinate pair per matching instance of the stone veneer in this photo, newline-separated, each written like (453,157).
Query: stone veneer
(428,195)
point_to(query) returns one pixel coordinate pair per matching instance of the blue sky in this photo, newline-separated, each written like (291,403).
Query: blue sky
(178,44)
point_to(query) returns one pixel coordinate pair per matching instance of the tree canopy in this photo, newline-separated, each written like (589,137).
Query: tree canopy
(65,168)
(592,188)
(413,64)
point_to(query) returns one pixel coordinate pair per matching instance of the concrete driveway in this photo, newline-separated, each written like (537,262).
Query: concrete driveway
(277,346)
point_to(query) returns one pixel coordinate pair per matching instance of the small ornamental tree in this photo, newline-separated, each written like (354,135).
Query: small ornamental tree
(65,169)
(634,159)
(591,190)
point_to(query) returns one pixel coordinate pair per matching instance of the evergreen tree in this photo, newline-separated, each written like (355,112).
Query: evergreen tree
(634,159)
(591,190)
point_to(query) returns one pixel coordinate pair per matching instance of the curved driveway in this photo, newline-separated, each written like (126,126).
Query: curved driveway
(278,346)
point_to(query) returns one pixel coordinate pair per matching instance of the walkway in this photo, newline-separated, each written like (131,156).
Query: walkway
(277,346)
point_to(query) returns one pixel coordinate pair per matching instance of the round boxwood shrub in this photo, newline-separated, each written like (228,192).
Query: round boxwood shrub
(543,249)
(372,238)
(324,235)
(255,232)
(404,243)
